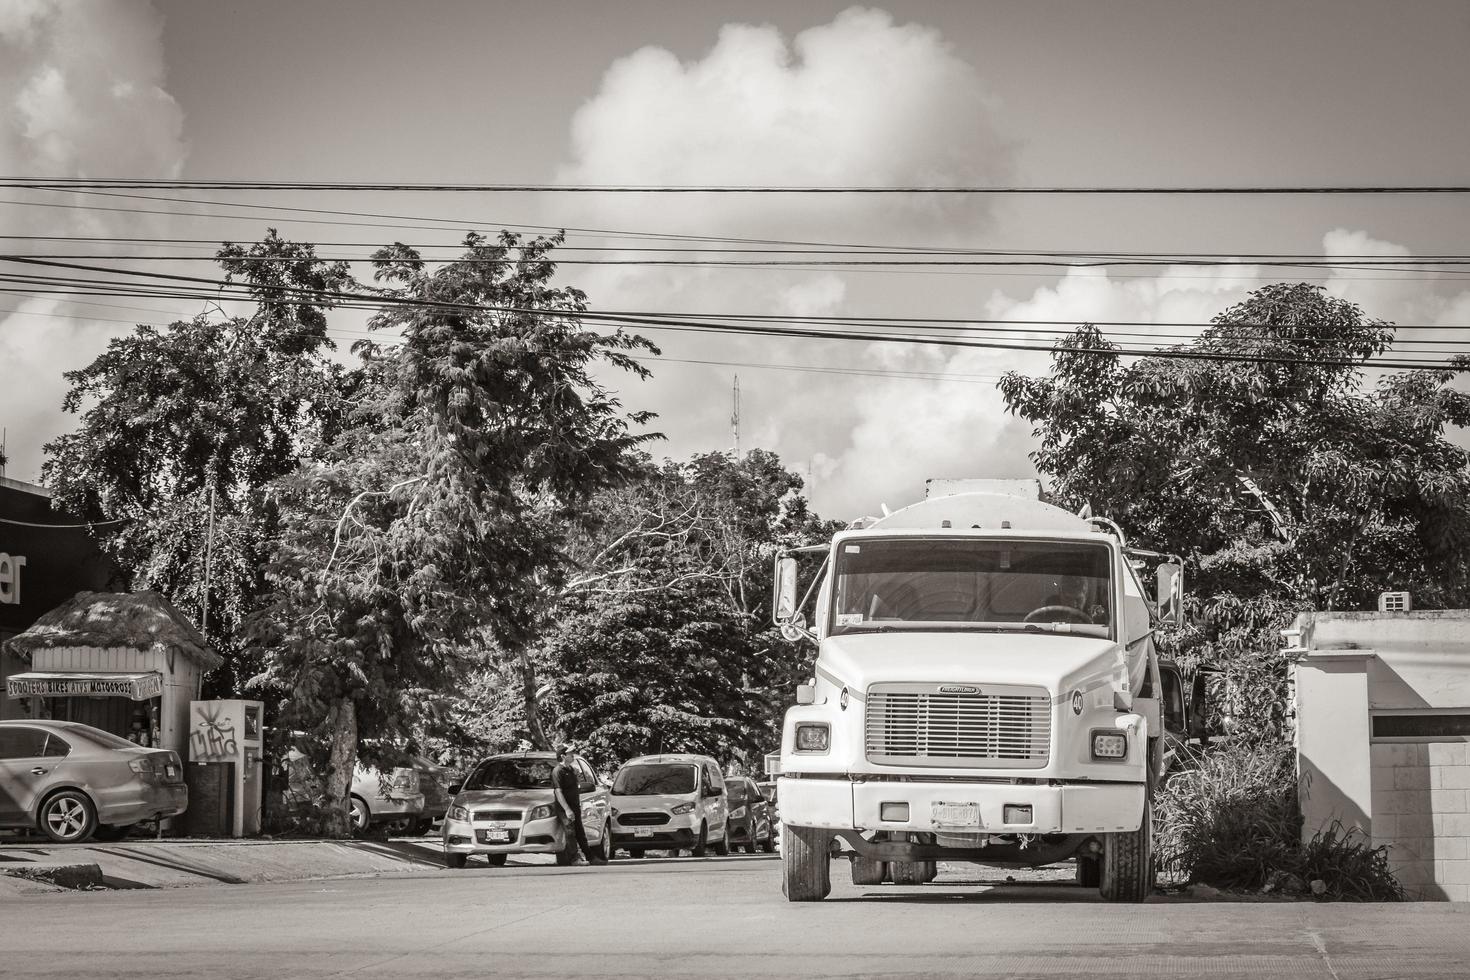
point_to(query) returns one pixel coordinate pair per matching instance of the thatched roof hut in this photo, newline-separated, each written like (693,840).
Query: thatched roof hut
(130,620)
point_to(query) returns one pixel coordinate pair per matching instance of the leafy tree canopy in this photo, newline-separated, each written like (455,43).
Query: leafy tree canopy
(1265,462)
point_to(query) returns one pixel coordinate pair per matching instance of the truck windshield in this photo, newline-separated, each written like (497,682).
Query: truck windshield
(974,583)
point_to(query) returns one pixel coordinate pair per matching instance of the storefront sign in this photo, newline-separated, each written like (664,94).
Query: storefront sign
(137,687)
(10,566)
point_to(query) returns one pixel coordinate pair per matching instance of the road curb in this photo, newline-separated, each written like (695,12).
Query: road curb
(78,875)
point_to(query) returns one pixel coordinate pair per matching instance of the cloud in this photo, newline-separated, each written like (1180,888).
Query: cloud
(86,79)
(859,101)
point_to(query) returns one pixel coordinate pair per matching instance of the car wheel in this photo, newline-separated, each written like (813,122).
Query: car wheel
(422,827)
(496,860)
(699,849)
(604,846)
(722,846)
(361,816)
(68,817)
(111,832)
(455,861)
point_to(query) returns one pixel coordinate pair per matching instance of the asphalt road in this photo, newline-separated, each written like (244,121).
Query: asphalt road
(706,918)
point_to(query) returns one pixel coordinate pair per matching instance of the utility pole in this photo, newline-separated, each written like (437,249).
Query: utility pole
(208,565)
(735,417)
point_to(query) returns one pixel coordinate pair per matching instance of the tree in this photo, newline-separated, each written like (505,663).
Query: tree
(183,427)
(434,525)
(1265,463)
(663,636)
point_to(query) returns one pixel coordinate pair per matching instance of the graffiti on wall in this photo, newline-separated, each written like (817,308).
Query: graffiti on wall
(212,738)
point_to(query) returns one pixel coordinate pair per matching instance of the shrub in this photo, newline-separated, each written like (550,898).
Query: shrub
(1230,819)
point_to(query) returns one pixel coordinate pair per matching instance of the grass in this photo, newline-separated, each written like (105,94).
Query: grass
(1230,820)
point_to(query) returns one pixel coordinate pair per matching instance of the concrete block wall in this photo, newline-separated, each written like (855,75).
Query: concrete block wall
(1421,810)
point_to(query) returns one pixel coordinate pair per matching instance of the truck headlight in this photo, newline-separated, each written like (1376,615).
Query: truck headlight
(813,737)
(1109,745)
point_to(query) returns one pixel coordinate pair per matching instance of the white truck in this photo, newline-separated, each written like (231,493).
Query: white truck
(986,689)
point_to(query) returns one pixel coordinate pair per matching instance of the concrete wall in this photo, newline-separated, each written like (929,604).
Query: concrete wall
(1410,793)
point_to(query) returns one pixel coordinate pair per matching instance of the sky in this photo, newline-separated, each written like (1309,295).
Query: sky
(1063,93)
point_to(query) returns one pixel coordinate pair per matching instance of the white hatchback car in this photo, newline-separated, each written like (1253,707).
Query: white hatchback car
(670,802)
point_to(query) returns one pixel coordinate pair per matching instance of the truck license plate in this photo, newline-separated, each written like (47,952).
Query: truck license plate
(956,814)
(497,836)
(642,831)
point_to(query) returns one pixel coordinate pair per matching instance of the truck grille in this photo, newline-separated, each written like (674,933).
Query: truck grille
(993,727)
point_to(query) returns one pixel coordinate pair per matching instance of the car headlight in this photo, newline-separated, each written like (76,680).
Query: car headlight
(458,813)
(813,737)
(1109,745)
(683,808)
(739,811)
(542,812)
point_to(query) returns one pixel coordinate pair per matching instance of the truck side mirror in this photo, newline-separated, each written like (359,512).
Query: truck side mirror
(1169,589)
(783,602)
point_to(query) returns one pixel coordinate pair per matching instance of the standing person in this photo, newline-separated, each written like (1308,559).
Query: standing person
(569,800)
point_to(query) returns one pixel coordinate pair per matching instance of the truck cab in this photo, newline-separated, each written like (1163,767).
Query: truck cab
(986,688)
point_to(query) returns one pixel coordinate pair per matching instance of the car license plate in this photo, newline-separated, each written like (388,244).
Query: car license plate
(956,814)
(497,837)
(642,831)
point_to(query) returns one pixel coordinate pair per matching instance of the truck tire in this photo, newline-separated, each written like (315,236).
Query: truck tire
(805,864)
(866,871)
(907,872)
(1128,856)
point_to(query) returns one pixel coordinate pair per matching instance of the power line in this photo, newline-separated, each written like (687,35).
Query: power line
(145,183)
(666,322)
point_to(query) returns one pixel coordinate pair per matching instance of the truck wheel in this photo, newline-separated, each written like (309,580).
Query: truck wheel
(1128,858)
(866,871)
(906,872)
(805,864)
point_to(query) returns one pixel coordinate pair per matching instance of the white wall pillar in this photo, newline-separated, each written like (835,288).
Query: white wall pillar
(1334,767)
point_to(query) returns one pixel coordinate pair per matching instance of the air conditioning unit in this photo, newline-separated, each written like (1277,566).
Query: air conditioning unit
(1395,602)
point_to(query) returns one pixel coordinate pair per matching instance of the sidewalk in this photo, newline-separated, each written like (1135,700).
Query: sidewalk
(25,866)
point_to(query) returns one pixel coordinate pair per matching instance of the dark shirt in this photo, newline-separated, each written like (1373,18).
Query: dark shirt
(564,778)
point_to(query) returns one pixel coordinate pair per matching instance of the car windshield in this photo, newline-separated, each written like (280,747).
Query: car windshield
(511,774)
(649,779)
(972,584)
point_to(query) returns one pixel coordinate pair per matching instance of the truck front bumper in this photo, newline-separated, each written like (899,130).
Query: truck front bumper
(949,807)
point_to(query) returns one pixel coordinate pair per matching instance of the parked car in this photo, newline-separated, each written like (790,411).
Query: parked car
(670,802)
(506,806)
(378,798)
(768,790)
(74,782)
(750,816)
(434,782)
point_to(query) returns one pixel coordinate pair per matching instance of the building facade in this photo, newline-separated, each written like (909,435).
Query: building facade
(45,559)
